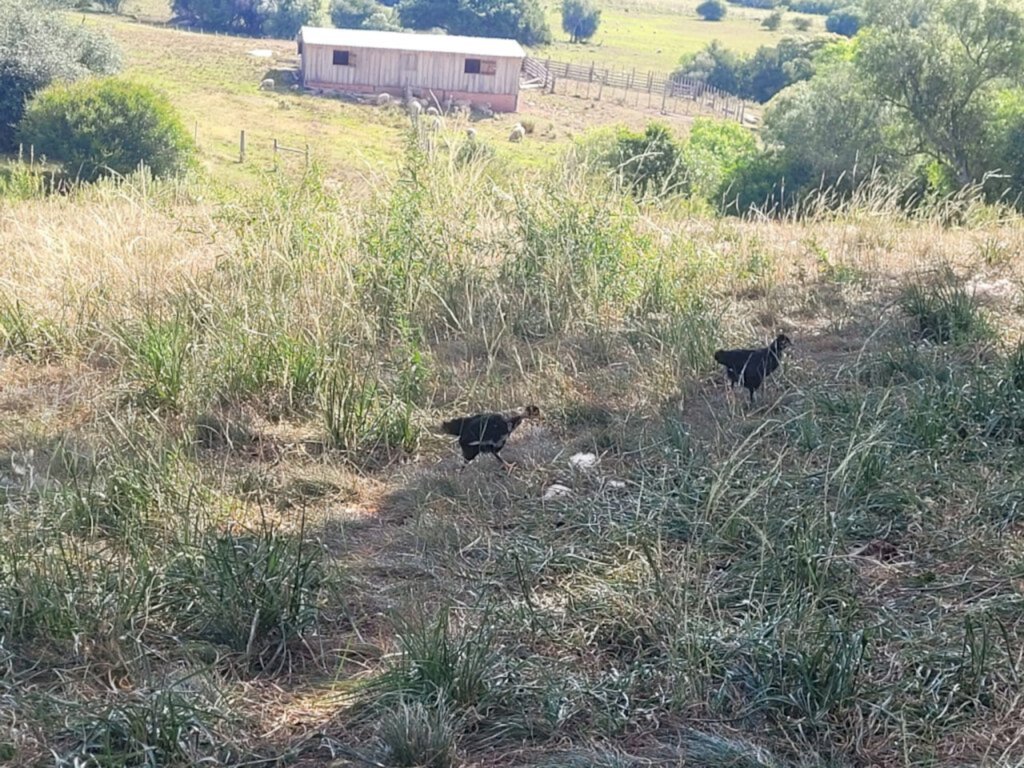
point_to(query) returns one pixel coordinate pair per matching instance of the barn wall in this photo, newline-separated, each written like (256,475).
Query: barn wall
(384,69)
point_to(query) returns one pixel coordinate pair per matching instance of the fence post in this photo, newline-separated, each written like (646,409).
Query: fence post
(307,155)
(241,146)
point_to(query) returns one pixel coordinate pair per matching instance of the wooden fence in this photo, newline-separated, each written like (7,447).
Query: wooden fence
(669,93)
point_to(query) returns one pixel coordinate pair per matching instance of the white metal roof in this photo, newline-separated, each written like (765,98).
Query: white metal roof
(493,47)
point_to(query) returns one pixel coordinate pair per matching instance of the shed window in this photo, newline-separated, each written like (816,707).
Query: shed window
(409,62)
(481,67)
(299,47)
(342,59)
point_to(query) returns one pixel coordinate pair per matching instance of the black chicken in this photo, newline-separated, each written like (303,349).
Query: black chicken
(750,367)
(486,432)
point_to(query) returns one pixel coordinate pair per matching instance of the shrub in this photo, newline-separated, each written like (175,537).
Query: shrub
(773,20)
(845,21)
(98,127)
(712,10)
(580,19)
(648,162)
(38,47)
(801,23)
(713,153)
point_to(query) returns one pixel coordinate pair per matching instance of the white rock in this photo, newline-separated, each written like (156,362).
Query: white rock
(583,461)
(557,491)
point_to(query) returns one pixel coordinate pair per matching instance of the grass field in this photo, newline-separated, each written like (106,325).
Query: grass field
(654,36)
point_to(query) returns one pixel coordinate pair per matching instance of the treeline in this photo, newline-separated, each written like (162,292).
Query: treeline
(522,20)
(821,7)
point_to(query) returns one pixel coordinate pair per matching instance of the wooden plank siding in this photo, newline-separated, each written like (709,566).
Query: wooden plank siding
(420,70)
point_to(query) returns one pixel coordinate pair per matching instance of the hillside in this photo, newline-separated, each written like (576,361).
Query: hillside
(235,535)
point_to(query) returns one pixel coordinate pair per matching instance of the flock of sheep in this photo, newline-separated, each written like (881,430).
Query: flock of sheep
(417,107)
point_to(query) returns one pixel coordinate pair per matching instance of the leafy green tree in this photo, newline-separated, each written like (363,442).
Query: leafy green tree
(280,18)
(712,10)
(283,18)
(350,14)
(715,65)
(384,18)
(580,19)
(223,15)
(758,77)
(98,127)
(845,21)
(522,20)
(37,47)
(833,126)
(938,65)
(1002,155)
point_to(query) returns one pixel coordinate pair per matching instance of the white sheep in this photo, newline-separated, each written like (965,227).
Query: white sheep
(471,133)
(518,132)
(432,111)
(267,84)
(414,109)
(383,99)
(437,124)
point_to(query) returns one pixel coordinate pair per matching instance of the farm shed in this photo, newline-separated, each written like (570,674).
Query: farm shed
(480,70)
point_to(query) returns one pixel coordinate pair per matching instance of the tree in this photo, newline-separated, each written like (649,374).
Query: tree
(350,14)
(580,19)
(716,65)
(519,19)
(281,18)
(712,10)
(833,126)
(758,77)
(845,21)
(937,67)
(97,127)
(38,47)
(223,15)
(284,18)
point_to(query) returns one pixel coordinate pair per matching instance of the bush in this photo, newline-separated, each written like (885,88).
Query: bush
(714,151)
(712,10)
(773,20)
(648,162)
(801,23)
(38,47)
(98,127)
(845,22)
